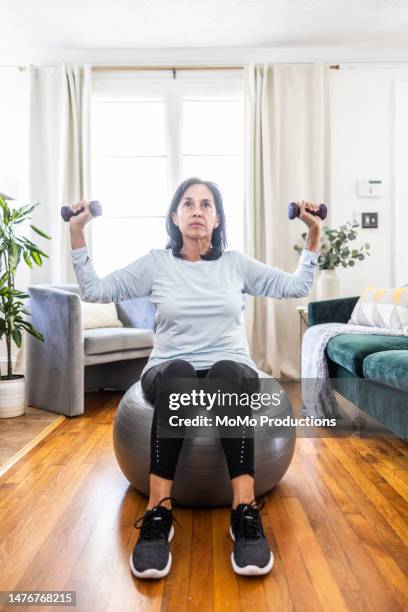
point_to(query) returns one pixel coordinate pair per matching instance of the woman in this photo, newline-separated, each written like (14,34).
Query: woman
(198,290)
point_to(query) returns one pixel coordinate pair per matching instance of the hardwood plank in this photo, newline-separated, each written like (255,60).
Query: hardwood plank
(277,593)
(127,592)
(378,500)
(297,577)
(201,587)
(391,468)
(400,445)
(30,445)
(352,500)
(365,460)
(226,591)
(103,556)
(175,596)
(60,551)
(58,451)
(374,591)
(326,532)
(395,579)
(18,547)
(323,581)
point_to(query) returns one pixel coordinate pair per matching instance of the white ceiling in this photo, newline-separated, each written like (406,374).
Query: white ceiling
(71,24)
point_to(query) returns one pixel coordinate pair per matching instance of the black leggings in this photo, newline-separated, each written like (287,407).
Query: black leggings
(165,451)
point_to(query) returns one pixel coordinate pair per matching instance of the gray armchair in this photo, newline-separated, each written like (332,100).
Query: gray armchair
(72,360)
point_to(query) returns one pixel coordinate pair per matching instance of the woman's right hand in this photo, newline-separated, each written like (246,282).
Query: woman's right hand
(82,219)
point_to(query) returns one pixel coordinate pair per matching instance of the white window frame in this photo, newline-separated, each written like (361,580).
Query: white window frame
(111,85)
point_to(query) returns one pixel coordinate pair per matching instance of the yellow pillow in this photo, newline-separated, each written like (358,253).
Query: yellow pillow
(99,315)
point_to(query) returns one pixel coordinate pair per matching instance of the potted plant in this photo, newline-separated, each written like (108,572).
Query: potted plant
(335,251)
(13,312)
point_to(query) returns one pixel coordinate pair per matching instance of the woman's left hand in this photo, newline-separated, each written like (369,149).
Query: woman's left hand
(312,221)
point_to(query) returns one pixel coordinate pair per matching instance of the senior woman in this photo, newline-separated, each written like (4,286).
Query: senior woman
(198,289)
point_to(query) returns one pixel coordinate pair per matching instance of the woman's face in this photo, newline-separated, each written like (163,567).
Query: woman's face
(196,215)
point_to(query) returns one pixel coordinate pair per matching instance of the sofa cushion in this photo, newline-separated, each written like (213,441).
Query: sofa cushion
(112,339)
(350,350)
(389,368)
(382,308)
(96,315)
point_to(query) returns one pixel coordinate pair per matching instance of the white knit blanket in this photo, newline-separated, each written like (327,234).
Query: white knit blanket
(318,398)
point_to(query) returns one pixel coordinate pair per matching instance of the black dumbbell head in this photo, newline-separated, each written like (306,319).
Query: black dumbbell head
(95,209)
(293,211)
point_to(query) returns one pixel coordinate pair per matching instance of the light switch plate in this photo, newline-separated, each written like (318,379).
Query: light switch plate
(369,220)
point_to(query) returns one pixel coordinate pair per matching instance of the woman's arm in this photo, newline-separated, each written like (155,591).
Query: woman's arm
(77,237)
(134,280)
(263,280)
(268,281)
(77,224)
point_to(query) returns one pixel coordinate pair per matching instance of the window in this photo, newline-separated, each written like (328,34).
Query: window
(150,134)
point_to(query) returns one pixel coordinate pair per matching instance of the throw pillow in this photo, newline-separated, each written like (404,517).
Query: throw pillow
(99,315)
(387,308)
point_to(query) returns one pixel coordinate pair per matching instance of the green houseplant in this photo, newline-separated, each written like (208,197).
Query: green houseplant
(335,250)
(13,247)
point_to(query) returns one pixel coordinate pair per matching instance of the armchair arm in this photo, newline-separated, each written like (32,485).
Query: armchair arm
(55,367)
(337,310)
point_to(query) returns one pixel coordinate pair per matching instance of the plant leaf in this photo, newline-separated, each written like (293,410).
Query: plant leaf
(40,232)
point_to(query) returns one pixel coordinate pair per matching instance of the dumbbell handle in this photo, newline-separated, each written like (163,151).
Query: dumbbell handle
(293,211)
(95,208)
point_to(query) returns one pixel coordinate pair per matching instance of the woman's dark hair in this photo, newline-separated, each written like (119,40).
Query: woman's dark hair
(218,238)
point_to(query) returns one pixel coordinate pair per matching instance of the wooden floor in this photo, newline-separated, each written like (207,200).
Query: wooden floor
(18,433)
(337,524)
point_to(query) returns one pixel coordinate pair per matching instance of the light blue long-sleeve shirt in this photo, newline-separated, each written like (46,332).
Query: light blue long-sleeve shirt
(200,304)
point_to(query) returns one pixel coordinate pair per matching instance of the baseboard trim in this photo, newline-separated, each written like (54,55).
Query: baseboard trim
(26,449)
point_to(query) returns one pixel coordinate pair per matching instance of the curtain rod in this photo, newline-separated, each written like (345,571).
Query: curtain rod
(103,68)
(114,68)
(172,68)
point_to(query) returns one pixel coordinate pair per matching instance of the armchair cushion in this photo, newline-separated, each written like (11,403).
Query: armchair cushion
(112,339)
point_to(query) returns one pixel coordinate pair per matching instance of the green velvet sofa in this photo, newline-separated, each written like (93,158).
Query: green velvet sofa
(378,365)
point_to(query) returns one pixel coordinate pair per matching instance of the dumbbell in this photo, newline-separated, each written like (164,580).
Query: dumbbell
(95,208)
(293,211)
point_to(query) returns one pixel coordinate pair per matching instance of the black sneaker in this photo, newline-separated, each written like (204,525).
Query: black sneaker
(151,557)
(251,555)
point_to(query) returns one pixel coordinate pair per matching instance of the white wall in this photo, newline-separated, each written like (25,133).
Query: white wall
(363,113)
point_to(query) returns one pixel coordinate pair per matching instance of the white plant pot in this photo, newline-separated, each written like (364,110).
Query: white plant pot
(13,399)
(327,284)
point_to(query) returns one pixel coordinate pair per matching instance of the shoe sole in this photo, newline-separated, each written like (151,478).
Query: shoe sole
(250,570)
(153,573)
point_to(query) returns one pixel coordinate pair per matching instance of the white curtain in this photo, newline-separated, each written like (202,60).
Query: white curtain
(287,159)
(59,165)
(60,99)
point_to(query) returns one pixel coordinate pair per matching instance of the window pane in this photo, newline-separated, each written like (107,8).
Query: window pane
(131,186)
(128,128)
(118,242)
(227,172)
(213,126)
(235,233)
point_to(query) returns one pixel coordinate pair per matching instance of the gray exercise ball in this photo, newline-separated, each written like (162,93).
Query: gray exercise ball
(201,477)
